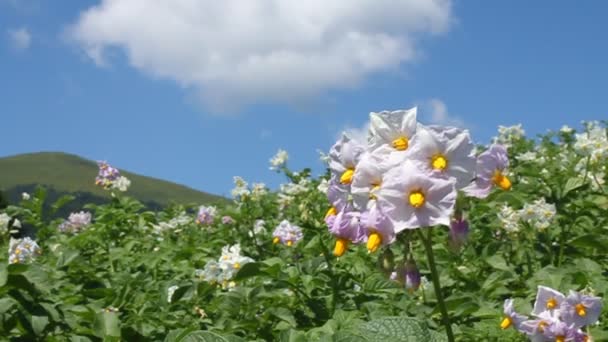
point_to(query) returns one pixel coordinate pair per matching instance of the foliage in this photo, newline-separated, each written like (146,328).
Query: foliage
(111,281)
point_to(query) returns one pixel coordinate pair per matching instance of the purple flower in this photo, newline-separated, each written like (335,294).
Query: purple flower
(287,234)
(548,302)
(580,310)
(344,156)
(560,331)
(338,195)
(490,171)
(412,276)
(459,231)
(227,220)
(378,226)
(346,227)
(413,199)
(511,318)
(106,175)
(206,215)
(75,222)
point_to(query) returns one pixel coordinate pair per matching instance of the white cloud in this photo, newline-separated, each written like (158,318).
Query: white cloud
(20,38)
(236,52)
(436,111)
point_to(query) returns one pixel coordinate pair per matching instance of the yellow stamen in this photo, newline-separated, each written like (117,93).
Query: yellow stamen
(506,322)
(401,143)
(347,176)
(551,303)
(276,240)
(331,212)
(236,266)
(373,242)
(375,187)
(541,326)
(439,162)
(340,248)
(581,310)
(417,199)
(289,243)
(560,338)
(17,251)
(501,180)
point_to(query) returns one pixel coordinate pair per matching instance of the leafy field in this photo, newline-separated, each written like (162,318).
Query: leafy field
(415,235)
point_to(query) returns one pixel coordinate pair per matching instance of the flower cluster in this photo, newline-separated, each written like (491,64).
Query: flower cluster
(287,234)
(259,229)
(110,179)
(538,215)
(241,190)
(279,160)
(174,224)
(593,143)
(75,222)
(405,176)
(507,135)
(22,250)
(206,214)
(556,317)
(222,271)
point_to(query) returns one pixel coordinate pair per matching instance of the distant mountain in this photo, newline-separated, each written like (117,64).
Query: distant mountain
(62,173)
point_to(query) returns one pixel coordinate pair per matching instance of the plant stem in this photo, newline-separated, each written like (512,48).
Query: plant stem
(428,245)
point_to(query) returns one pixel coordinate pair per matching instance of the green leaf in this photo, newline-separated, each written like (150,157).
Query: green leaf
(39,323)
(249,270)
(6,304)
(498,262)
(107,324)
(572,184)
(285,315)
(189,335)
(3,274)
(63,200)
(396,329)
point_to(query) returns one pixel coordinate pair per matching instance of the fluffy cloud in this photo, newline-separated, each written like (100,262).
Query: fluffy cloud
(20,38)
(436,112)
(236,52)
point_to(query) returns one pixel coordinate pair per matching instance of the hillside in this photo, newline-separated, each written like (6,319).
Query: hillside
(63,173)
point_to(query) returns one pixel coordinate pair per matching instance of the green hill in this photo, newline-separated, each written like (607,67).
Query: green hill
(63,173)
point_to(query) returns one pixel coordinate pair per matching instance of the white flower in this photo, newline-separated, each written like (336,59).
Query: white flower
(323,186)
(122,183)
(258,228)
(170,291)
(527,156)
(240,188)
(22,250)
(25,196)
(445,152)
(509,134)
(279,160)
(395,129)
(509,219)
(593,143)
(538,214)
(258,190)
(566,129)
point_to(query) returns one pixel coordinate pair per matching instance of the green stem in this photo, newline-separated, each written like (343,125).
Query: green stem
(428,245)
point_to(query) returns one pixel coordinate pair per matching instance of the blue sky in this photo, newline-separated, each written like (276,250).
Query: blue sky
(168,100)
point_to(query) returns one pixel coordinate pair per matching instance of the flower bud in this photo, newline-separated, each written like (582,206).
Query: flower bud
(386,261)
(459,231)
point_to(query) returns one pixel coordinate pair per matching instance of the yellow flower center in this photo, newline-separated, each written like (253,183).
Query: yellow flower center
(340,248)
(439,162)
(501,180)
(331,212)
(506,322)
(236,266)
(417,199)
(541,326)
(276,240)
(289,243)
(373,242)
(581,310)
(401,143)
(551,303)
(375,187)
(17,251)
(560,338)
(347,176)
